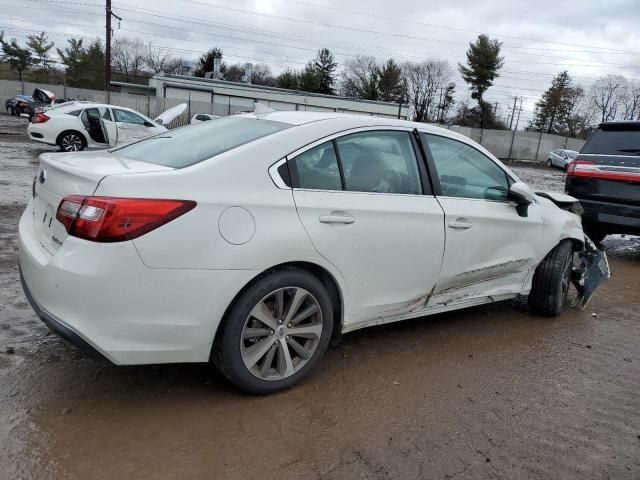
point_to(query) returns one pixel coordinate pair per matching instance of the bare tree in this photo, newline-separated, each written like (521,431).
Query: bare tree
(261,75)
(424,81)
(128,57)
(359,78)
(607,93)
(631,102)
(159,60)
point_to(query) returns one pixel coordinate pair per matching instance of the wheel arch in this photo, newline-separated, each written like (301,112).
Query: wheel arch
(71,130)
(327,279)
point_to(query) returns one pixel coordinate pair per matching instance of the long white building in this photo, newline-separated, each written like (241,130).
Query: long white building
(230,97)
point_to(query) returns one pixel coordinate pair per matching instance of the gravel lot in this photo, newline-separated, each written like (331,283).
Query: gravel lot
(489,392)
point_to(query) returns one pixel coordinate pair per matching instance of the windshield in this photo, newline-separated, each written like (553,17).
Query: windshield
(571,155)
(195,143)
(614,141)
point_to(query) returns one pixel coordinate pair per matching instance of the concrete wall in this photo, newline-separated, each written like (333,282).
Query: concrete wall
(531,146)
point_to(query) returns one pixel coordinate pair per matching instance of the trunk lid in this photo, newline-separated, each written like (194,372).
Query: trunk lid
(169,115)
(62,174)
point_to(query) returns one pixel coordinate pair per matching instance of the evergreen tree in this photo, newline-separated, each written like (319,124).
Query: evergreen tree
(554,108)
(288,79)
(390,85)
(309,79)
(205,63)
(483,63)
(18,58)
(84,67)
(325,66)
(40,46)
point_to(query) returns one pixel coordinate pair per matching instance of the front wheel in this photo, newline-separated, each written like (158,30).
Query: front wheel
(276,332)
(71,142)
(551,281)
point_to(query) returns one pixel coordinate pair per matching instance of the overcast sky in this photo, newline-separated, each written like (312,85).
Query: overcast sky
(540,38)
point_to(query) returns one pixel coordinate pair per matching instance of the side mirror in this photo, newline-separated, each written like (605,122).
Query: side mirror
(148,124)
(521,194)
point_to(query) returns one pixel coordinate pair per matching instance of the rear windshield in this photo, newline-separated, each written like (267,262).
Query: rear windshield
(195,143)
(614,141)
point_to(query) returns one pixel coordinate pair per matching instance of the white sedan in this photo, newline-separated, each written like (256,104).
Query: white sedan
(74,126)
(255,239)
(561,158)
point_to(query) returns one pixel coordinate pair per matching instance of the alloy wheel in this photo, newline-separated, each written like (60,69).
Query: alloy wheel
(71,143)
(281,333)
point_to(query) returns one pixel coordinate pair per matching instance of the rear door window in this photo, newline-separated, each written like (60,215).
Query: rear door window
(379,161)
(318,168)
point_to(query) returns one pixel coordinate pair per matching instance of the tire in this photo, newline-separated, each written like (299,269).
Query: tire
(266,369)
(549,163)
(12,111)
(71,141)
(551,281)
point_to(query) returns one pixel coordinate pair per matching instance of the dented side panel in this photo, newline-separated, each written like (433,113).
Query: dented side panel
(493,255)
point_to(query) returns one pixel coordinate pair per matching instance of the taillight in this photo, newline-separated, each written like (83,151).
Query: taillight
(111,219)
(40,118)
(22,104)
(580,165)
(589,168)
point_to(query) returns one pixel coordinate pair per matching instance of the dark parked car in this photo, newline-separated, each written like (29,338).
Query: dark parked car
(605,177)
(40,99)
(15,105)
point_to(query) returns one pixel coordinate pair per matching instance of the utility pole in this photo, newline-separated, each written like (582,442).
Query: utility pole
(513,112)
(519,111)
(107,49)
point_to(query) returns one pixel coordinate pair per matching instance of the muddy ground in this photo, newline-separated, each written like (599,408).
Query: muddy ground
(489,392)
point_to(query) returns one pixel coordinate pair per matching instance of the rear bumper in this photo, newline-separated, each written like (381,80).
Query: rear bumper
(612,217)
(58,327)
(41,134)
(102,298)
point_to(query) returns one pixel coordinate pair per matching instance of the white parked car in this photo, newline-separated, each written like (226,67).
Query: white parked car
(202,117)
(254,239)
(74,126)
(561,158)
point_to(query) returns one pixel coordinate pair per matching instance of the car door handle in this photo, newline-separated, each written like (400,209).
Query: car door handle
(337,218)
(460,224)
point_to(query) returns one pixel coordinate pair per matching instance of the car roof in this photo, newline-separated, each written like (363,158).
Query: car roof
(355,121)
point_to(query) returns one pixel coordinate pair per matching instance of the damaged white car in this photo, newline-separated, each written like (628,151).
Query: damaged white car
(253,240)
(74,126)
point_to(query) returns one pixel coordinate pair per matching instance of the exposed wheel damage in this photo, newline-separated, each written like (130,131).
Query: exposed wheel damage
(592,271)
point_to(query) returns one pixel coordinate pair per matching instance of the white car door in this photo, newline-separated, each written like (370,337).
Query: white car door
(132,127)
(109,127)
(490,249)
(364,200)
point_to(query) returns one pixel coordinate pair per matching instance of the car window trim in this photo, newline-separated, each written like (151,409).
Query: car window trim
(436,179)
(293,172)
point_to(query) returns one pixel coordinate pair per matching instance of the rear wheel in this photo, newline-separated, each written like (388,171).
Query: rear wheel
(71,142)
(549,163)
(551,281)
(276,332)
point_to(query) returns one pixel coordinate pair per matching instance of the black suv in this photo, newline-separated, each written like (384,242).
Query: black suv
(605,177)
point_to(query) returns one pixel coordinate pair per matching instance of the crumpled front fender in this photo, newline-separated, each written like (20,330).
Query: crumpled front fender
(591,272)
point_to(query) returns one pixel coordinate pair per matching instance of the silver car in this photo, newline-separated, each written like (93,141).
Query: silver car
(561,158)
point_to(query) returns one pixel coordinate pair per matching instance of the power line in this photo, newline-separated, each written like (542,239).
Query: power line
(445,27)
(343,27)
